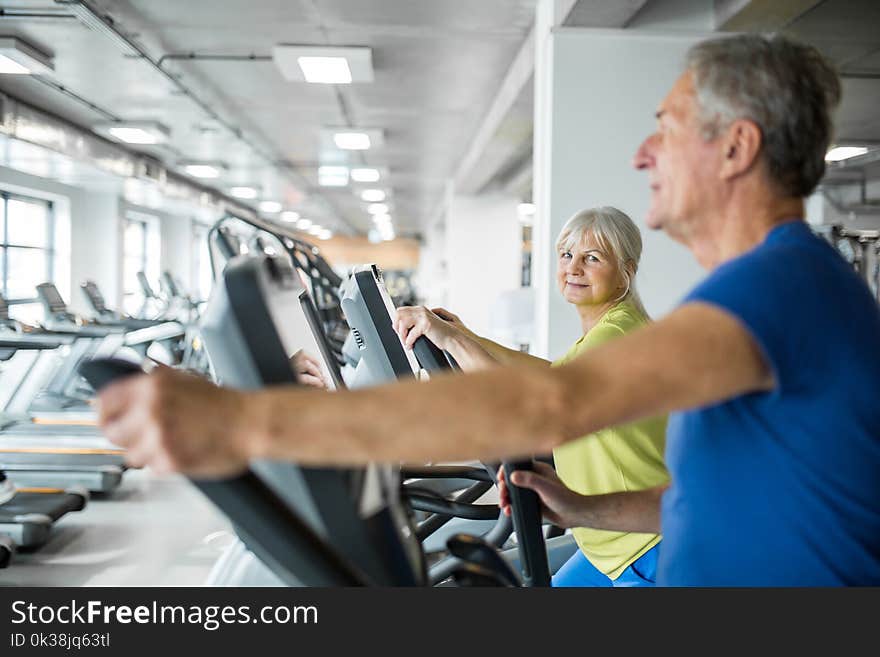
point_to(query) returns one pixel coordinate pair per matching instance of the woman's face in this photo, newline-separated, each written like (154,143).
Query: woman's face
(587,275)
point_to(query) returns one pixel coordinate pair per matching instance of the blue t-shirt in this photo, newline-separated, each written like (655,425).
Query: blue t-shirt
(782,488)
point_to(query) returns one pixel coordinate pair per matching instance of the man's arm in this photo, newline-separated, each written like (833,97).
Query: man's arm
(697,355)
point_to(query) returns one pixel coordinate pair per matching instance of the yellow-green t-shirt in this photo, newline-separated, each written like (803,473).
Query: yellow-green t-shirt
(623,458)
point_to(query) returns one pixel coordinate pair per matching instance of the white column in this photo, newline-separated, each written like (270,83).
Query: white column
(95,248)
(483,255)
(596,92)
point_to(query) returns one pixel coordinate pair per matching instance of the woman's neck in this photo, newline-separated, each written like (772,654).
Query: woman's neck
(591,314)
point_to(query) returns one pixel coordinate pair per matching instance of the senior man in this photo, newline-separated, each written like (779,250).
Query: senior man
(770,367)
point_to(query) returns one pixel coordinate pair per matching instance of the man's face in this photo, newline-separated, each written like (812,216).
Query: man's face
(682,166)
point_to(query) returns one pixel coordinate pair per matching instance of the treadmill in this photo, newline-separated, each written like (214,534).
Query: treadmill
(51,450)
(106,316)
(27,518)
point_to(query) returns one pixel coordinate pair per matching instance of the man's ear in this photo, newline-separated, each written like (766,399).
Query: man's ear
(741,144)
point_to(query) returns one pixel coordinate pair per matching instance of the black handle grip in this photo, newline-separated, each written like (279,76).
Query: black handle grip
(429,355)
(100,372)
(527,523)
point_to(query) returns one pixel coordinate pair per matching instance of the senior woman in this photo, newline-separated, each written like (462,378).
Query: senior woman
(598,254)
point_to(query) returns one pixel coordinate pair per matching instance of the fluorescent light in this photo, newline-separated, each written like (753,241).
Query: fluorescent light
(332,181)
(133,132)
(202,170)
(386,231)
(10,67)
(377,208)
(302,224)
(244,192)
(133,135)
(314,230)
(332,171)
(289,216)
(324,64)
(18,57)
(526,209)
(325,70)
(270,206)
(365,175)
(373,195)
(380,219)
(352,141)
(330,176)
(844,153)
(325,234)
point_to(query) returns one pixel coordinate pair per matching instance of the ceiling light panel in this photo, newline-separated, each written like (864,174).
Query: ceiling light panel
(18,57)
(204,169)
(325,70)
(844,153)
(365,175)
(332,176)
(324,65)
(270,206)
(373,195)
(352,141)
(244,192)
(351,138)
(144,133)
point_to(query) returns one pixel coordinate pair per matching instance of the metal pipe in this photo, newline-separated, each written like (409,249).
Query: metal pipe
(223,58)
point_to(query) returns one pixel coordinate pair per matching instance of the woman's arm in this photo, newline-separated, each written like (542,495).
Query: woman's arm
(448,332)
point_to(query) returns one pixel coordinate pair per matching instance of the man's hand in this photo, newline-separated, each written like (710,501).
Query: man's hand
(172,421)
(559,504)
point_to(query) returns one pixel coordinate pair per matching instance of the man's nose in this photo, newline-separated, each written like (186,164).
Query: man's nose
(644,157)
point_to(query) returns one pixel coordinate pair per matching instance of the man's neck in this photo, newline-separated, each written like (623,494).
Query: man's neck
(742,224)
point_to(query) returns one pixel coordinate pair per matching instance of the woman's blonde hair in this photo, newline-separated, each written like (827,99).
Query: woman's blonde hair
(616,235)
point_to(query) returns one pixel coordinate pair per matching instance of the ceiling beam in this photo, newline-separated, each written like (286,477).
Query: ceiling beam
(519,78)
(763,15)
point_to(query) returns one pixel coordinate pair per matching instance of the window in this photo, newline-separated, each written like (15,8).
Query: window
(27,252)
(140,244)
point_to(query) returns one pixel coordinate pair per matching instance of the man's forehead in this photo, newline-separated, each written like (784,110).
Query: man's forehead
(680,98)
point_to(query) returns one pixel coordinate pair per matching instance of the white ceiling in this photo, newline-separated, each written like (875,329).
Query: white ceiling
(437,66)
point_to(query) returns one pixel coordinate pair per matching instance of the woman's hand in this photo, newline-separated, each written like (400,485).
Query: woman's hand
(308,370)
(412,322)
(559,504)
(454,320)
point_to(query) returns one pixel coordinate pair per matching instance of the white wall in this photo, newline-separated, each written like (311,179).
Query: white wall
(94,235)
(597,94)
(483,244)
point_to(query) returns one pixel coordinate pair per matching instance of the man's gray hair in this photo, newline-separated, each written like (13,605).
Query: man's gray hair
(787,88)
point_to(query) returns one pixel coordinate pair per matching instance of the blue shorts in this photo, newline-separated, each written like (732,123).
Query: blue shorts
(578,571)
